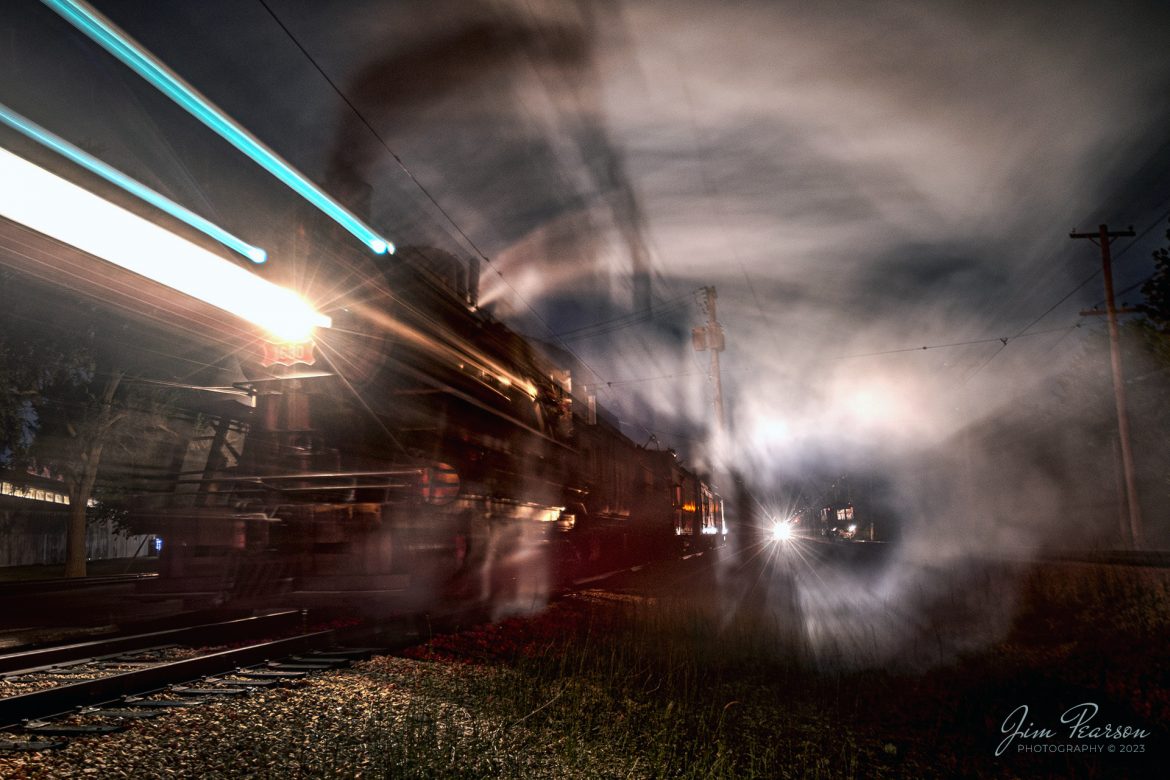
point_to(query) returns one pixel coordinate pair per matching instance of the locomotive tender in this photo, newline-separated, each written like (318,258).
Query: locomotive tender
(419,452)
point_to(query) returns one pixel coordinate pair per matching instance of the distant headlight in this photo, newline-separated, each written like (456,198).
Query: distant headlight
(781,532)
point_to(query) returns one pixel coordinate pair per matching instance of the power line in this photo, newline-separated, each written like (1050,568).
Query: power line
(1129,289)
(624,321)
(1053,307)
(422,188)
(1140,235)
(1024,331)
(651,378)
(615,328)
(1070,293)
(1129,246)
(971,374)
(1094,275)
(1004,340)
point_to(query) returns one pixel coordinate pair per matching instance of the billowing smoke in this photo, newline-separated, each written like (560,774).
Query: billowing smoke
(857,186)
(857,180)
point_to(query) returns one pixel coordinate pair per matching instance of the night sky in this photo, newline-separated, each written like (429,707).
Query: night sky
(853,178)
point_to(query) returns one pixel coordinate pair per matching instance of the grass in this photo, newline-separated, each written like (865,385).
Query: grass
(658,689)
(676,688)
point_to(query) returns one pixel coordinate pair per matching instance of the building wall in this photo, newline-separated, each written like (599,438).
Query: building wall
(34,534)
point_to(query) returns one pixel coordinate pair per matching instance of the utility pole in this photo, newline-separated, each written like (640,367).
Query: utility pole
(1102,238)
(710,338)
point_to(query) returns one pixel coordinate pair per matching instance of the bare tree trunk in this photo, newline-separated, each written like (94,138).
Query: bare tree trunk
(84,476)
(75,536)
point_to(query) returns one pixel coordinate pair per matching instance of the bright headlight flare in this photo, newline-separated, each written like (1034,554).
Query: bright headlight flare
(134,187)
(781,531)
(51,205)
(114,40)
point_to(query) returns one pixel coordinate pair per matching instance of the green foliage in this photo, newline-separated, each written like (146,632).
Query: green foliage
(1157,292)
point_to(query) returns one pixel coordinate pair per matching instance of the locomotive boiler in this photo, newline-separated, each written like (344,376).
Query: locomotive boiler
(417,452)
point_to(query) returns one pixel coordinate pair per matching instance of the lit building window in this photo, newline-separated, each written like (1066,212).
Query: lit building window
(37,494)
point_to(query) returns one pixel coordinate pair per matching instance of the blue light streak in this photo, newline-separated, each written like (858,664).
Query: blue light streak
(111,38)
(133,186)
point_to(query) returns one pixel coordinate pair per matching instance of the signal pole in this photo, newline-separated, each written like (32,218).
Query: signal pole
(710,338)
(1102,238)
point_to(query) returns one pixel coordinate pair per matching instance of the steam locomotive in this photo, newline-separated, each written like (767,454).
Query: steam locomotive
(418,452)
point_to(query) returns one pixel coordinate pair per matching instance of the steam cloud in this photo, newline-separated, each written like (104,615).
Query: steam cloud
(853,178)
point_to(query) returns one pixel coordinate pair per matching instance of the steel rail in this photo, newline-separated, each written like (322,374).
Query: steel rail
(62,700)
(227,631)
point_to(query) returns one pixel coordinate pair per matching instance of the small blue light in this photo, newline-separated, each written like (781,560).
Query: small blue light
(133,186)
(106,34)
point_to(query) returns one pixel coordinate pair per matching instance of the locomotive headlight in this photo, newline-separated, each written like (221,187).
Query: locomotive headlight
(781,531)
(287,316)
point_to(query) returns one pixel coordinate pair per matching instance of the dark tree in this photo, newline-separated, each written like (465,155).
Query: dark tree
(1156,291)
(67,404)
(32,365)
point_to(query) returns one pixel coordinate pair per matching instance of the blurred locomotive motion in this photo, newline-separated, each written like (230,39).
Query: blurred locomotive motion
(418,452)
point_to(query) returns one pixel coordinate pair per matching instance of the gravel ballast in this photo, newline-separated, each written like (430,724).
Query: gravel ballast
(630,683)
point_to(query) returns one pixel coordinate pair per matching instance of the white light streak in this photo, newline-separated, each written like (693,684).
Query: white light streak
(135,188)
(51,205)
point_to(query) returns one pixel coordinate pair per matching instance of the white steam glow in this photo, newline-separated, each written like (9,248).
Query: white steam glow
(51,205)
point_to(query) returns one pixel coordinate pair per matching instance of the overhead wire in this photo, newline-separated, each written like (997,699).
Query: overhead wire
(423,189)
(559,338)
(619,323)
(1129,246)
(596,329)
(1004,340)
(1024,331)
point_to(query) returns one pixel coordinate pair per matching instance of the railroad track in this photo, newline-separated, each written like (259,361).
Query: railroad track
(222,631)
(96,688)
(99,687)
(58,584)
